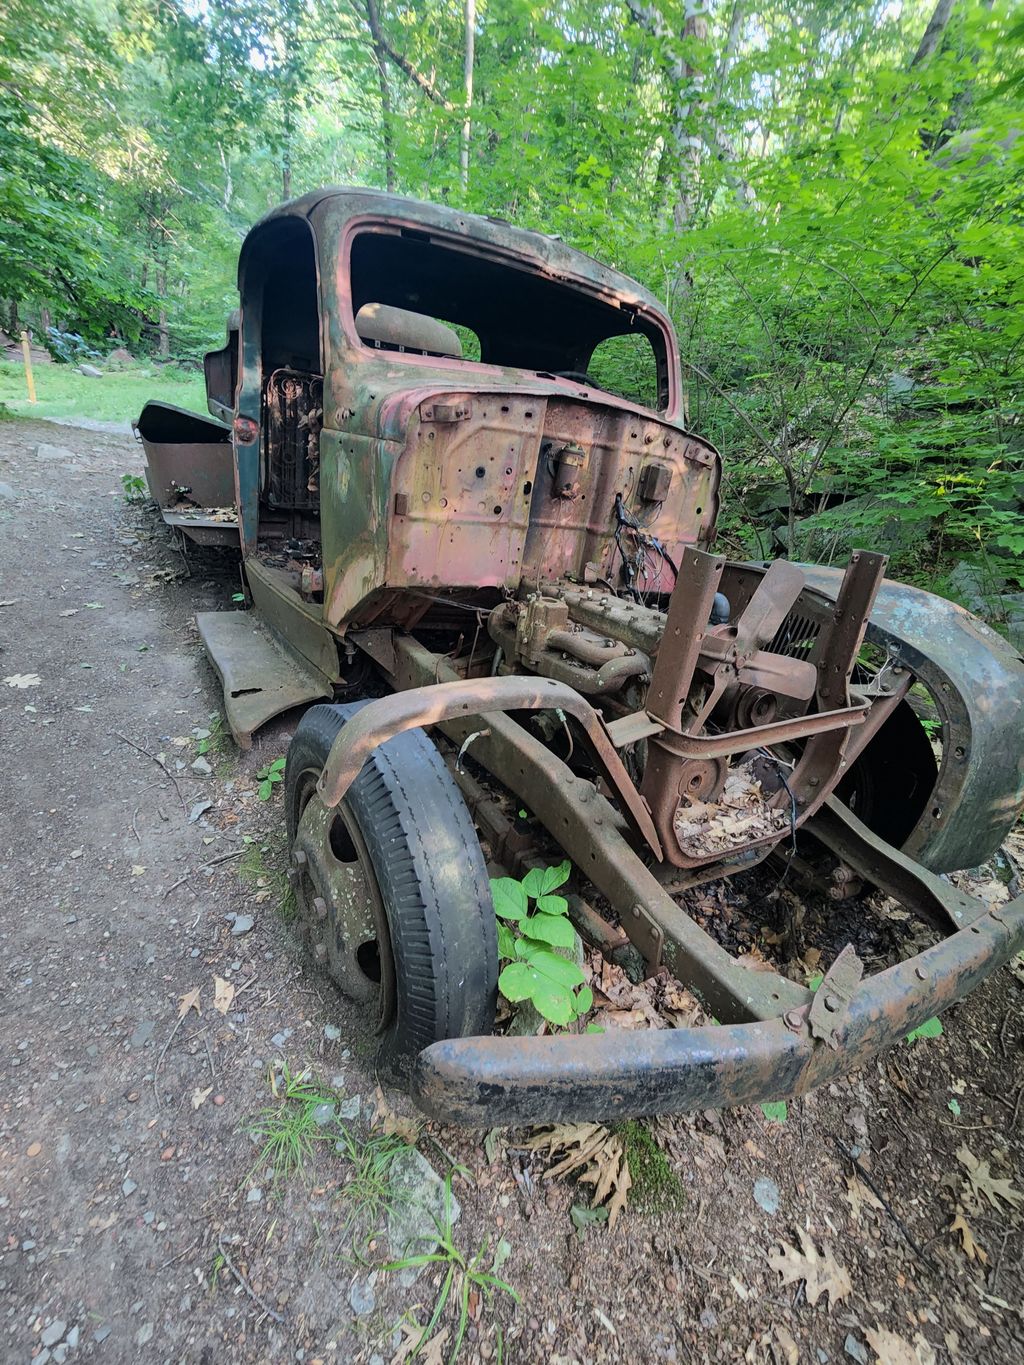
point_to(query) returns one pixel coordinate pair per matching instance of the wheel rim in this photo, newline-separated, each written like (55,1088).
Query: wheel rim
(340,901)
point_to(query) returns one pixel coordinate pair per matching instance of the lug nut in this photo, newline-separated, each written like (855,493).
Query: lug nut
(320,906)
(298,858)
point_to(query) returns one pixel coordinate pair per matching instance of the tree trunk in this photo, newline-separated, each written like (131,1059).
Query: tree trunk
(933,33)
(467,68)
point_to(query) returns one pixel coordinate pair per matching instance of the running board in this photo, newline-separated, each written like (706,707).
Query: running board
(260,677)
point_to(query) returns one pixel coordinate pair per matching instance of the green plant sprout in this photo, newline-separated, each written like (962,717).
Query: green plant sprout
(462,1274)
(134,487)
(269,777)
(527,939)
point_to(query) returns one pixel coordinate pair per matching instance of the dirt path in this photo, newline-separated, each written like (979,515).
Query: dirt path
(138,1219)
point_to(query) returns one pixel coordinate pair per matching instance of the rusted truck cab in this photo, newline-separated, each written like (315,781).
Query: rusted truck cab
(463,476)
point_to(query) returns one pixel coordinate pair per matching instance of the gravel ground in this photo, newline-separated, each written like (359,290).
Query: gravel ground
(138,1219)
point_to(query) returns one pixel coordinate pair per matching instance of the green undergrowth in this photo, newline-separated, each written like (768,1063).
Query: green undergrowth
(118,397)
(263,867)
(656,1188)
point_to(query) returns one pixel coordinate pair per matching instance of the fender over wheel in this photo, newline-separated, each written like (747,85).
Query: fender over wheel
(393,885)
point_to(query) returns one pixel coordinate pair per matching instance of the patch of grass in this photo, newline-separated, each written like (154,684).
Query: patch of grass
(261,865)
(461,1275)
(656,1188)
(118,397)
(289,1129)
(367,1196)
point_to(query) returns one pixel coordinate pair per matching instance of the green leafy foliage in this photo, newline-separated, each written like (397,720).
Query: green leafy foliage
(134,487)
(527,940)
(270,776)
(775,1110)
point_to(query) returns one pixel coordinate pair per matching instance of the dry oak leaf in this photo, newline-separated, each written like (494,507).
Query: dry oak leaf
(981,1182)
(598,1155)
(968,1245)
(820,1272)
(860,1196)
(23,680)
(223,995)
(199,1096)
(189,1001)
(385,1120)
(891,1349)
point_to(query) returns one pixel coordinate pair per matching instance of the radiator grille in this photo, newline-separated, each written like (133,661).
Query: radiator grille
(294,418)
(796,636)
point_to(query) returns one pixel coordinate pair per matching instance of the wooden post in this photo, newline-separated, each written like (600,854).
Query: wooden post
(28,367)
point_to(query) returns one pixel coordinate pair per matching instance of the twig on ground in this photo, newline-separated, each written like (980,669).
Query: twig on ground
(224,857)
(866,1177)
(209,1058)
(171,1259)
(162,766)
(163,1053)
(135,830)
(256,1298)
(1016,1108)
(1002,1032)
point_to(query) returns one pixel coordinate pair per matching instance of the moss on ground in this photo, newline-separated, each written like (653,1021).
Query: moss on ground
(656,1188)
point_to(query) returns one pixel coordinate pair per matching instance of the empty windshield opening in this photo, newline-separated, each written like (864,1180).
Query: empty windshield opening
(505,315)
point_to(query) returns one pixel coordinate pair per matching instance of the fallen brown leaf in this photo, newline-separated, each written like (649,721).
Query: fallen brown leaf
(596,1154)
(387,1121)
(819,1270)
(968,1245)
(199,1096)
(223,994)
(860,1196)
(189,1001)
(982,1183)
(891,1349)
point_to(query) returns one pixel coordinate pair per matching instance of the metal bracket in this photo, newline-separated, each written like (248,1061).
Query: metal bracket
(833,996)
(645,935)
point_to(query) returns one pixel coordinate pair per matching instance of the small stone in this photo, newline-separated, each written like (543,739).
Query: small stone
(144,1031)
(33,1149)
(218,1100)
(855,1349)
(242,925)
(6,491)
(279,1039)
(254,1196)
(332,1033)
(167,1154)
(766,1194)
(28,1244)
(72,1337)
(349,1109)
(323,1114)
(200,808)
(362,1296)
(144,1334)
(48,452)
(60,1354)
(90,371)
(148,1217)
(49,1336)
(101,1333)
(200,766)
(128,1187)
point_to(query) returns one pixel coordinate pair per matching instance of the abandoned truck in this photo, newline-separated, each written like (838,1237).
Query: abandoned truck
(476,529)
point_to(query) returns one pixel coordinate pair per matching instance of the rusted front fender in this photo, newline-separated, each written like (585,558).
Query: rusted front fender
(615,1075)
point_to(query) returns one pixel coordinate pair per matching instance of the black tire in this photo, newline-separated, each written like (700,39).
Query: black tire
(430,873)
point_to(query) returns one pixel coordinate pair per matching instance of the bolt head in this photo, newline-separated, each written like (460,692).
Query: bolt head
(298,857)
(320,951)
(320,906)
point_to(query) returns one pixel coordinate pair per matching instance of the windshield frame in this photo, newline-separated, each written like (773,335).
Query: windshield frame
(653,319)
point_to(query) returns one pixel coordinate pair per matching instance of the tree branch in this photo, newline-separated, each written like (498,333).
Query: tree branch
(403,63)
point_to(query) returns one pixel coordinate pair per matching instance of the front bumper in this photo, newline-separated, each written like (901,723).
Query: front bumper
(491,1081)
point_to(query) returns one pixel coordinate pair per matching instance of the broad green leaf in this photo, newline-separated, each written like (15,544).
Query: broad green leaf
(509,898)
(506,942)
(931,1028)
(553,1002)
(553,929)
(518,981)
(555,968)
(584,1000)
(552,905)
(775,1110)
(540,880)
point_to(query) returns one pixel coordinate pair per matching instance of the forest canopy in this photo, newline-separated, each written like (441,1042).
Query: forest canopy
(827,197)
